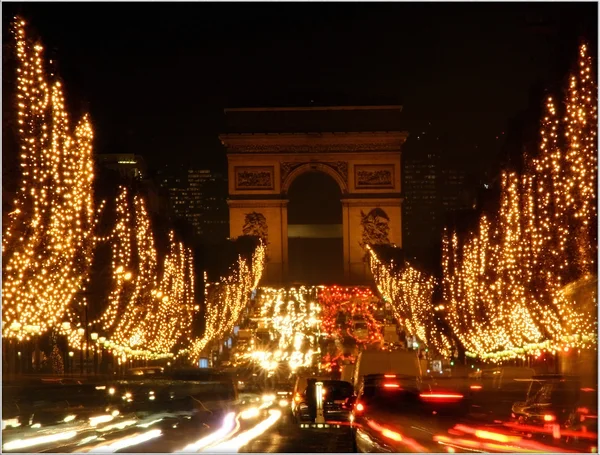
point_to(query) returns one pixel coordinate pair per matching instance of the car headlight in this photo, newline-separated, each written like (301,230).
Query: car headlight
(268,397)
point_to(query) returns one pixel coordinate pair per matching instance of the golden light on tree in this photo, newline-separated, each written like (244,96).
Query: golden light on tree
(170,322)
(48,240)
(225,300)
(505,284)
(410,293)
(150,308)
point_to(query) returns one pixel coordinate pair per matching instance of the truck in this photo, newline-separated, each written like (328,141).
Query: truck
(390,334)
(346,373)
(245,334)
(373,361)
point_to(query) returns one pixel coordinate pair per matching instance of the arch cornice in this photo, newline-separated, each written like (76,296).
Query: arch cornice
(313,167)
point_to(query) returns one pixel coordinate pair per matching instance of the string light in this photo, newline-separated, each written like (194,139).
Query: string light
(505,285)
(410,293)
(47,244)
(147,314)
(226,300)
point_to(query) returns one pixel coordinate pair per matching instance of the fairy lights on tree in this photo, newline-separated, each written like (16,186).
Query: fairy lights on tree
(226,300)
(505,285)
(410,293)
(47,243)
(148,312)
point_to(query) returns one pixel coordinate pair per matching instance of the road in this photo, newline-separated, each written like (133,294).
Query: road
(235,411)
(250,424)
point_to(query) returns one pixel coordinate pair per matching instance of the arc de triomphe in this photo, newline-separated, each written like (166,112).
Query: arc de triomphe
(365,164)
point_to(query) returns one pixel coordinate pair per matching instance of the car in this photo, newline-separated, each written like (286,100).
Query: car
(146,371)
(336,404)
(360,330)
(550,399)
(300,387)
(387,407)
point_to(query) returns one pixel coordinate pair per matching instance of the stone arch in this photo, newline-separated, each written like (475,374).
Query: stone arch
(313,167)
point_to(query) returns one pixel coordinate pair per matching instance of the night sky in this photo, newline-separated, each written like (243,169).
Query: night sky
(156,77)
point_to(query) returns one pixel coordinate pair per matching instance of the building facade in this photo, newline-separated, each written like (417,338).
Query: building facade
(128,165)
(434,189)
(198,196)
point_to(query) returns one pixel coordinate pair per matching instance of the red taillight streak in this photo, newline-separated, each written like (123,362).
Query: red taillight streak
(588,389)
(583,410)
(441,396)
(395,436)
(391,386)
(391,434)
(486,434)
(549,418)
(536,429)
(476,387)
(523,444)
(389,375)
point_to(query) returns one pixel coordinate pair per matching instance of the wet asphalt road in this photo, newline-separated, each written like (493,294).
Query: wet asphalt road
(288,437)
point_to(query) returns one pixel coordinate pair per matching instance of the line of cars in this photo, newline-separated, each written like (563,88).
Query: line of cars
(389,391)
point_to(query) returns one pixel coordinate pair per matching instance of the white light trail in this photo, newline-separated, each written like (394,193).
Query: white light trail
(229,424)
(235,444)
(31,442)
(127,442)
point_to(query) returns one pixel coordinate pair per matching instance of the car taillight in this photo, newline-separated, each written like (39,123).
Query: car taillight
(549,418)
(476,387)
(390,385)
(389,375)
(441,397)
(360,407)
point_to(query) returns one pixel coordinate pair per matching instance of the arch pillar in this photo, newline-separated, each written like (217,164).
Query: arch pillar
(274,214)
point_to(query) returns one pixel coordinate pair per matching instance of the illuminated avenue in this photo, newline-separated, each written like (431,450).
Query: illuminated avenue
(311,328)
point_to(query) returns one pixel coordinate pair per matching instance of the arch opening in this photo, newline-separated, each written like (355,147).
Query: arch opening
(315,235)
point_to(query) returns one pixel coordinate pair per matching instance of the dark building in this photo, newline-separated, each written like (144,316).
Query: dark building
(198,196)
(434,187)
(207,191)
(128,165)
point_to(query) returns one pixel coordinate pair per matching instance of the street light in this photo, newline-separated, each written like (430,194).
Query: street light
(15,326)
(94,337)
(103,344)
(81,332)
(70,360)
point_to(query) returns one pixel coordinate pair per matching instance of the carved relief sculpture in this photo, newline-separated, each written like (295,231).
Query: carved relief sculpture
(374,176)
(287,167)
(255,224)
(341,167)
(376,227)
(254,178)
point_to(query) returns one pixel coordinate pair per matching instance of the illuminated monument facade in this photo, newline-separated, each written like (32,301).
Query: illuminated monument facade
(357,147)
